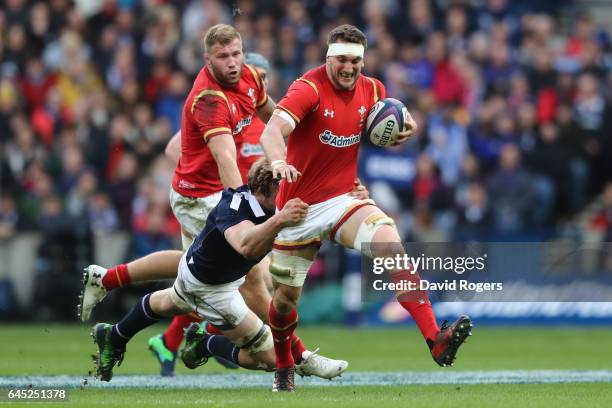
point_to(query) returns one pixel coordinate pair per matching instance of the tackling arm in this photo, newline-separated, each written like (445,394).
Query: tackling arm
(254,241)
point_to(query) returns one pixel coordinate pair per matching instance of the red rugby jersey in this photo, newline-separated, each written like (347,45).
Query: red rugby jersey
(212,110)
(325,143)
(248,147)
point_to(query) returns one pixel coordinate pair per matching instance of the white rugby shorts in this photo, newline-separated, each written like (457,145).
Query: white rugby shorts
(222,305)
(191,213)
(322,222)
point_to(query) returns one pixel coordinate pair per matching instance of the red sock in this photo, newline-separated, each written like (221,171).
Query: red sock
(297,348)
(283,326)
(116,277)
(417,303)
(212,329)
(173,336)
(424,317)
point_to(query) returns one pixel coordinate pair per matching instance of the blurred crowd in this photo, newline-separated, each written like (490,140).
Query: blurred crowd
(512,99)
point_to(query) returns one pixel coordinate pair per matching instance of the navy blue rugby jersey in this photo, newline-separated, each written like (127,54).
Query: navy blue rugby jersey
(211,259)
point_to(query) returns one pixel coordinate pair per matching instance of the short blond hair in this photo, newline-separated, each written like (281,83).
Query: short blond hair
(220,34)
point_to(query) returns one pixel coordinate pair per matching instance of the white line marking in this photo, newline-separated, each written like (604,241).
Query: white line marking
(220,381)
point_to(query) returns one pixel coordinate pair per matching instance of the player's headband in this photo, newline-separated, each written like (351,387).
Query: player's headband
(352,49)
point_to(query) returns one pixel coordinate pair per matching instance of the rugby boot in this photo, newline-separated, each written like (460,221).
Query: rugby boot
(165,357)
(108,353)
(93,291)
(193,353)
(284,380)
(315,364)
(449,339)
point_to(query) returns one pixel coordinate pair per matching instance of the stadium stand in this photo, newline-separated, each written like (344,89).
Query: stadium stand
(512,99)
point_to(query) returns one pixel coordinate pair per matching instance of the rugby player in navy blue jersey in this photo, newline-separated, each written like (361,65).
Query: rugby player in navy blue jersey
(239,232)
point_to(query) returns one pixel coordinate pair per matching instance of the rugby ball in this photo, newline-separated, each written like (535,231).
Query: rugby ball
(385,119)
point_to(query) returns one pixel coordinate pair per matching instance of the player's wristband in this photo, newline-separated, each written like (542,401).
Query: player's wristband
(278,163)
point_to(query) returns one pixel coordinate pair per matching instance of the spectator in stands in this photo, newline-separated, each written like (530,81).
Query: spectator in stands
(79,196)
(90,95)
(447,144)
(510,192)
(9,217)
(474,215)
(101,214)
(154,236)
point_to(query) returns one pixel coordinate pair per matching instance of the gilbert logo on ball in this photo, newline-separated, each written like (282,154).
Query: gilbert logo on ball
(385,119)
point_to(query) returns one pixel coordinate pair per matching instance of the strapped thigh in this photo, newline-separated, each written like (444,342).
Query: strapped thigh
(290,270)
(367,230)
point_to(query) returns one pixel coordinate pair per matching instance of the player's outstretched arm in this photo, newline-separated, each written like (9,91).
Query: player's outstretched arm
(273,142)
(223,150)
(254,241)
(173,148)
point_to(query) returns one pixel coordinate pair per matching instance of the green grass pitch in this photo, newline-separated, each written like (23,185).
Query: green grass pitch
(64,350)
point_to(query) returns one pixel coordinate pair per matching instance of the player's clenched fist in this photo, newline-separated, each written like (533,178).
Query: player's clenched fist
(282,170)
(359,191)
(293,213)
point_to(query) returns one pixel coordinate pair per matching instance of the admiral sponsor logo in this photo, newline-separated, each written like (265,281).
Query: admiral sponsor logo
(327,137)
(244,122)
(249,149)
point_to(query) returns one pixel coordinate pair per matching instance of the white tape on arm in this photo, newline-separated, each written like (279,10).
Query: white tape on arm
(287,117)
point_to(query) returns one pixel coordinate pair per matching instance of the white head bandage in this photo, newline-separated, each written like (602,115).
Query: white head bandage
(352,49)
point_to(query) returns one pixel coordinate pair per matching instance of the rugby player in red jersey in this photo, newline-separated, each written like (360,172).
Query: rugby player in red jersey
(256,288)
(217,113)
(323,115)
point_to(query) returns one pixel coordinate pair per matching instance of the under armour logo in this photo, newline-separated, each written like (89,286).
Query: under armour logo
(233,108)
(251,92)
(362,110)
(328,113)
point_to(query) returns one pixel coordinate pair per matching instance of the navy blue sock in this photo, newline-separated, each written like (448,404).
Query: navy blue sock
(140,317)
(220,346)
